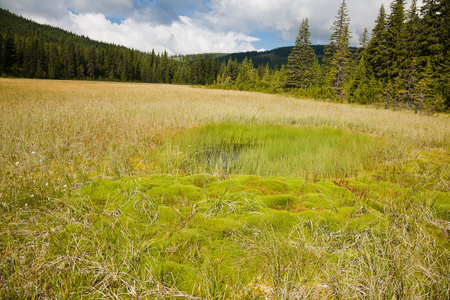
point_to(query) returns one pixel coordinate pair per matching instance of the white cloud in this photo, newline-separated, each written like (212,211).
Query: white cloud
(194,26)
(284,16)
(182,36)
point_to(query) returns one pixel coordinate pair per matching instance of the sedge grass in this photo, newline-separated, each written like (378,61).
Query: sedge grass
(83,214)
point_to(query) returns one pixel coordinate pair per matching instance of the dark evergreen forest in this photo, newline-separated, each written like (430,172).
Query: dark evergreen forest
(402,64)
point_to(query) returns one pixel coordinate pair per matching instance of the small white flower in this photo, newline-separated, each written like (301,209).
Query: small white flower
(17,163)
(65,185)
(26,204)
(32,195)
(32,152)
(46,183)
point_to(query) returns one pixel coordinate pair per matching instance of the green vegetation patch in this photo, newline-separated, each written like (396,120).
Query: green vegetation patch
(268,150)
(241,236)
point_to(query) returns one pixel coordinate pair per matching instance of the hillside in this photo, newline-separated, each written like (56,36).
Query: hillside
(23,27)
(275,57)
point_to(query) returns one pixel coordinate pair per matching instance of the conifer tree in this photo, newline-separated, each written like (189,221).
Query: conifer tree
(300,62)
(246,76)
(185,72)
(91,62)
(69,59)
(395,27)
(338,48)
(342,21)
(8,53)
(376,52)
(364,39)
(435,45)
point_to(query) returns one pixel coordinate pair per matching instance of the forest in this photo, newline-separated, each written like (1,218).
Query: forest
(402,64)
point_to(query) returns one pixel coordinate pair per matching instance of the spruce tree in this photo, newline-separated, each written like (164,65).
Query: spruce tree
(69,59)
(395,27)
(434,44)
(364,39)
(54,62)
(8,53)
(91,62)
(338,48)
(376,52)
(342,21)
(300,62)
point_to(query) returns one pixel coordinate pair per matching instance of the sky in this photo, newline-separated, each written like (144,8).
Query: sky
(198,26)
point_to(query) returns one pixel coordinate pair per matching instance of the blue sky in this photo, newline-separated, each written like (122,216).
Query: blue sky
(198,26)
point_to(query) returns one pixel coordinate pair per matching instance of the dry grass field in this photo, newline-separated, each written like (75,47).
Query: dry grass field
(120,190)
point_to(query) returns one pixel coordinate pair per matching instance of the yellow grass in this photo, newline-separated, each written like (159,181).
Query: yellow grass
(109,238)
(71,129)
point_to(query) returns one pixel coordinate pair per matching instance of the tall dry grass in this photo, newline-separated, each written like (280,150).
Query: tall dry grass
(56,135)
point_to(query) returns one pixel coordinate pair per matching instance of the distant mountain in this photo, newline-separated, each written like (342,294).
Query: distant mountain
(20,26)
(275,57)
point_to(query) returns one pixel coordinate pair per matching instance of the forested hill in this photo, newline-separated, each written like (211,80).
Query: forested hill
(275,58)
(22,27)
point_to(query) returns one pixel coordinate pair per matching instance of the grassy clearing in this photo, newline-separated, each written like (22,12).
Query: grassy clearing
(256,196)
(272,150)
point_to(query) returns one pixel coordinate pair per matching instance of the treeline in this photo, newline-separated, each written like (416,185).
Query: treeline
(45,52)
(404,64)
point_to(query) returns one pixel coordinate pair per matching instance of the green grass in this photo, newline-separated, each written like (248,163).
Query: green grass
(114,191)
(269,150)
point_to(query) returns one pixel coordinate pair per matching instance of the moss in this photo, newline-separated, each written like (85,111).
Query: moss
(217,226)
(198,180)
(180,276)
(316,201)
(168,216)
(175,194)
(148,183)
(190,243)
(281,202)
(440,202)
(266,186)
(101,190)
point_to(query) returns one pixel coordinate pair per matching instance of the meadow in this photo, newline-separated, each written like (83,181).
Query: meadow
(146,191)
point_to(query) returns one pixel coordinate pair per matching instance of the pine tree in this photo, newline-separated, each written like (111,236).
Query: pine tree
(54,62)
(426,95)
(8,53)
(364,39)
(91,62)
(395,27)
(435,45)
(340,53)
(376,52)
(342,21)
(301,60)
(245,78)
(69,59)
